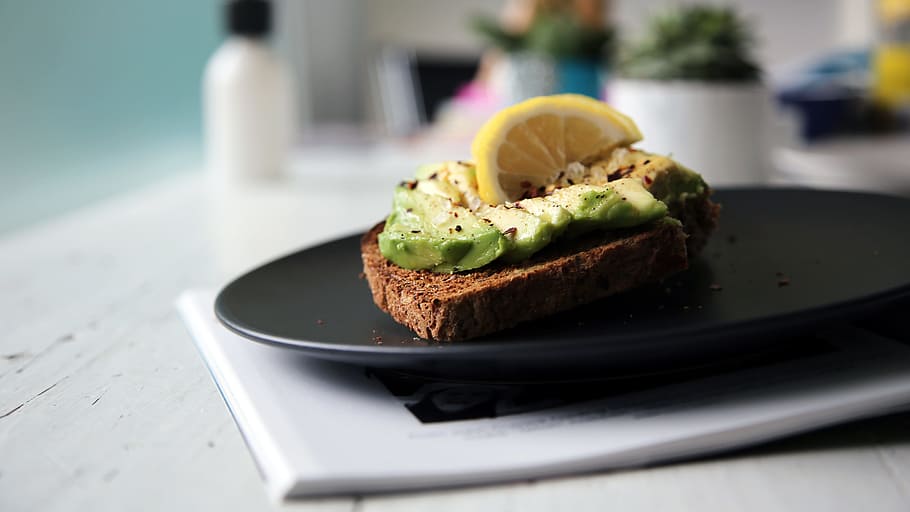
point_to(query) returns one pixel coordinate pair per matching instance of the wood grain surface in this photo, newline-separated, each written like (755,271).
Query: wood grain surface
(105,405)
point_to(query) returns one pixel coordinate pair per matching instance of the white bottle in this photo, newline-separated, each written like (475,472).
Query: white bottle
(248,101)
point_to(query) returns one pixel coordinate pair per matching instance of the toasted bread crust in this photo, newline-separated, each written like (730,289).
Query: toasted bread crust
(450,307)
(699,217)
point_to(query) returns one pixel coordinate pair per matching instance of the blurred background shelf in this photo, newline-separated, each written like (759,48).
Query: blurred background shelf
(103,96)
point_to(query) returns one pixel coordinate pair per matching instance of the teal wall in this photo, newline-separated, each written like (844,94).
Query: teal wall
(97,96)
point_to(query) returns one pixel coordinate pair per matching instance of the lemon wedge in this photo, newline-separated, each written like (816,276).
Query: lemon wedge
(528,145)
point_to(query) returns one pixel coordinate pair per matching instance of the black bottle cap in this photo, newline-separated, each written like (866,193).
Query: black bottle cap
(249,17)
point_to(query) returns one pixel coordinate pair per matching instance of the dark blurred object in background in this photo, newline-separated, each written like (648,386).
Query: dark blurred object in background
(857,92)
(832,97)
(439,77)
(828,96)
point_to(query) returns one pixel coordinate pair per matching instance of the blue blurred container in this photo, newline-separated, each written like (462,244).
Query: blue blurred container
(578,76)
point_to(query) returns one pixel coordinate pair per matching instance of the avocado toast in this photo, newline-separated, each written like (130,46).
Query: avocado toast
(458,306)
(473,248)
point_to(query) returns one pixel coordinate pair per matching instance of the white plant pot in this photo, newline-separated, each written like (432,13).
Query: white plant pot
(718,130)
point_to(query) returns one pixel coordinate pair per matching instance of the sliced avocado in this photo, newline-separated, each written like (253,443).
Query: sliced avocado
(619,204)
(673,184)
(429,180)
(438,222)
(525,233)
(438,187)
(665,178)
(556,215)
(459,175)
(451,179)
(424,171)
(429,231)
(462,175)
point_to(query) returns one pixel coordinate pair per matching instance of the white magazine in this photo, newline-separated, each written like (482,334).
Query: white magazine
(319,428)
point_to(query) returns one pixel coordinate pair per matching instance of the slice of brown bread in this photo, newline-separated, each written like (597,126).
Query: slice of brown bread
(450,307)
(699,217)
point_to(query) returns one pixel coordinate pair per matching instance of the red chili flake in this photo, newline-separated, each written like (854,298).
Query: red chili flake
(455,214)
(433,176)
(646,162)
(647,179)
(716,287)
(409,210)
(510,232)
(525,184)
(518,205)
(410,185)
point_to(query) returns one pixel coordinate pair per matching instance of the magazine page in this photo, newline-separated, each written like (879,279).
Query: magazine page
(318,428)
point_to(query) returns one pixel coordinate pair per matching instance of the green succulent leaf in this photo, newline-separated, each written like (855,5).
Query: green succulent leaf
(693,43)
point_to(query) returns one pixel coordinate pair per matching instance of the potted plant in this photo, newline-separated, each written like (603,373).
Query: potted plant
(693,88)
(555,48)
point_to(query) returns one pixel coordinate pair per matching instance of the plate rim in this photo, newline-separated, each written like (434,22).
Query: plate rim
(851,307)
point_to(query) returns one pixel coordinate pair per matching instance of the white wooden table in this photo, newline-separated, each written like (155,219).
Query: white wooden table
(105,405)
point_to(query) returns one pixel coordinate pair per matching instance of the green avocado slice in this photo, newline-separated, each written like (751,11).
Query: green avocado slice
(525,233)
(620,204)
(431,228)
(428,231)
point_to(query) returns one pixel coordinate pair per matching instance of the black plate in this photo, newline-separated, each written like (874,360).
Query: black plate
(783,261)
